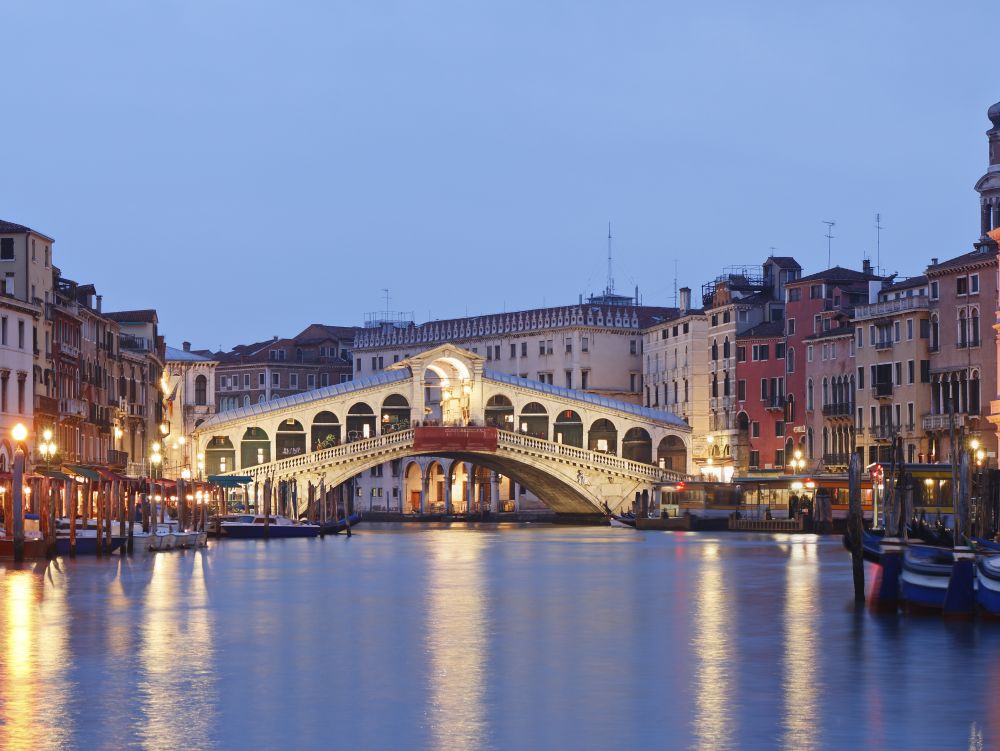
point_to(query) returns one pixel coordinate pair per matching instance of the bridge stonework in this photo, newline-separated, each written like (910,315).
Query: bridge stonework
(449,386)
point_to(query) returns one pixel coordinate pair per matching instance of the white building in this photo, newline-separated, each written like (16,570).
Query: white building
(190,401)
(17,322)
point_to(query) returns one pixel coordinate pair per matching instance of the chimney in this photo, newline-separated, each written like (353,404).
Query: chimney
(187,346)
(274,338)
(685,301)
(934,262)
(99,297)
(866,266)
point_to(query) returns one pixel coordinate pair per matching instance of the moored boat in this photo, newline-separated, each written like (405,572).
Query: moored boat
(926,576)
(336,526)
(259,527)
(988,585)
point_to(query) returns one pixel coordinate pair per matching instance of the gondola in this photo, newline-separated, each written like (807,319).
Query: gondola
(336,526)
(623,520)
(988,585)
(926,575)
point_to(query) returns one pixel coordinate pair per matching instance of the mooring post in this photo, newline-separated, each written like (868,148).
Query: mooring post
(855,527)
(960,598)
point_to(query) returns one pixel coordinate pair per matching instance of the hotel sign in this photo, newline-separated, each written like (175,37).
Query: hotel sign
(433,438)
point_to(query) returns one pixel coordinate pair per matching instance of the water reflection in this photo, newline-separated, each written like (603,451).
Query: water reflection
(799,688)
(456,628)
(177,685)
(712,723)
(32,671)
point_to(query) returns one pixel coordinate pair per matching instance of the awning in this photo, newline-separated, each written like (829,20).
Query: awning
(86,472)
(229,481)
(54,474)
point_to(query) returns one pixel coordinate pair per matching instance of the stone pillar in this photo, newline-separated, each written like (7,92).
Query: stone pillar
(447,491)
(470,486)
(517,495)
(424,480)
(494,493)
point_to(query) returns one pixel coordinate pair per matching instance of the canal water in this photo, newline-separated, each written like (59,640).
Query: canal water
(534,637)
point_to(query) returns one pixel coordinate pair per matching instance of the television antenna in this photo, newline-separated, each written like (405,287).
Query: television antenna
(830,224)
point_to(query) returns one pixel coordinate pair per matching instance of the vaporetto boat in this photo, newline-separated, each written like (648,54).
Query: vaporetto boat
(260,526)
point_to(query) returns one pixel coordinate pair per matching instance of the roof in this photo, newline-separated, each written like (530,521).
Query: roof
(831,333)
(910,283)
(837,274)
(133,316)
(784,262)
(656,415)
(180,355)
(975,256)
(11,228)
(765,329)
(379,379)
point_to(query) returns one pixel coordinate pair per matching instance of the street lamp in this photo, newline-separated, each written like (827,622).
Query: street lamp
(47,448)
(19,433)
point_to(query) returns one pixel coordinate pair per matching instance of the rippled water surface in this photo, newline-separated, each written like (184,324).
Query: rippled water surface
(495,638)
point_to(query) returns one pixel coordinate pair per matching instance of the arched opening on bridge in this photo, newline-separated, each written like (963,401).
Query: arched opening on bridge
(534,420)
(325,431)
(569,428)
(395,413)
(290,439)
(360,422)
(447,386)
(500,412)
(435,488)
(220,455)
(672,454)
(603,437)
(255,448)
(638,446)
(412,483)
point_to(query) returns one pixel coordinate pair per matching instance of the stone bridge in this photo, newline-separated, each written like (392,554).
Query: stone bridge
(574,450)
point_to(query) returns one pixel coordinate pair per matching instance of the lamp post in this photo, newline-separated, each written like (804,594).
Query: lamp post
(154,465)
(19,433)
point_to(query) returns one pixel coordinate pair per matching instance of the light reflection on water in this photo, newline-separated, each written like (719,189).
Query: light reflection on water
(540,637)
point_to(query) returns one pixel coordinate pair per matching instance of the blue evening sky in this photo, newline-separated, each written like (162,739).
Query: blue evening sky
(248,168)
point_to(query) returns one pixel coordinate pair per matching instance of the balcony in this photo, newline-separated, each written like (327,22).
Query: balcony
(882,390)
(775,402)
(889,307)
(46,405)
(836,460)
(73,408)
(136,410)
(839,409)
(884,432)
(971,343)
(883,344)
(117,459)
(943,422)
(68,350)
(134,343)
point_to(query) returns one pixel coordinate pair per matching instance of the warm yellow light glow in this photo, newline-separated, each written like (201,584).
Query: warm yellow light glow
(796,485)
(164,428)
(710,438)
(928,482)
(201,457)
(155,459)
(798,454)
(186,474)
(155,448)
(47,434)
(182,440)
(27,490)
(190,497)
(118,432)
(19,432)
(974,443)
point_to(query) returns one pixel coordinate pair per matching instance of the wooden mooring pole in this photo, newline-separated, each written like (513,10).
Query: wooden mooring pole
(855,527)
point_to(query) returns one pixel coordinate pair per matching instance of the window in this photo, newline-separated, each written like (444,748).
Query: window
(541,346)
(861,378)
(513,351)
(755,429)
(910,371)
(909,329)
(7,249)
(760,352)
(275,379)
(374,363)
(779,429)
(632,382)
(357,365)
(715,320)
(261,379)
(790,360)
(201,390)
(293,380)
(934,291)
(896,328)
(3,331)
(584,374)
(909,416)
(817,324)
(899,373)
(973,284)
(861,419)
(763,389)
(569,379)
(569,345)
(815,291)
(809,353)
(754,454)
(311,380)
(633,347)
(20,334)
(585,344)
(779,350)
(962,285)
(524,349)
(791,327)
(925,371)
(794,294)
(741,390)
(859,337)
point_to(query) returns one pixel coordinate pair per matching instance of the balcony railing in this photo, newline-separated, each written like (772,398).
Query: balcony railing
(884,344)
(968,343)
(836,460)
(46,405)
(117,458)
(775,402)
(943,422)
(882,389)
(135,343)
(838,409)
(73,408)
(136,410)
(888,307)
(884,432)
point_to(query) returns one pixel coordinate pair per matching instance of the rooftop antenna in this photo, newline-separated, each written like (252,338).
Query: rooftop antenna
(611,278)
(829,239)
(675,282)
(386,290)
(878,241)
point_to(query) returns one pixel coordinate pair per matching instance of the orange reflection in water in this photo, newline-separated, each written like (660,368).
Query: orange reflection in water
(456,628)
(800,645)
(32,690)
(712,724)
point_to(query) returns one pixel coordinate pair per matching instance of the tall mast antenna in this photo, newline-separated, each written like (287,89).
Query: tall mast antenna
(878,241)
(386,290)
(829,239)
(611,277)
(675,282)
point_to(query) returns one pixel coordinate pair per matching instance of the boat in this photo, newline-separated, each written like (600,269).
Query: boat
(86,543)
(926,576)
(261,526)
(988,585)
(622,520)
(336,526)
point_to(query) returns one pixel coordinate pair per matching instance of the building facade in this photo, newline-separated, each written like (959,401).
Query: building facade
(17,320)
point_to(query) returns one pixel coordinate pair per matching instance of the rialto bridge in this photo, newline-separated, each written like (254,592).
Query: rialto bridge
(572,449)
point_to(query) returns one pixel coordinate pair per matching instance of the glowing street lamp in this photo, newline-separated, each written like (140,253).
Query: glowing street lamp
(19,433)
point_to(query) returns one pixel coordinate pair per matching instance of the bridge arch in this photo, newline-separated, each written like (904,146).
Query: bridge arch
(534,420)
(568,428)
(637,445)
(671,453)
(255,447)
(413,486)
(289,439)
(220,455)
(395,413)
(603,436)
(360,421)
(325,430)
(499,412)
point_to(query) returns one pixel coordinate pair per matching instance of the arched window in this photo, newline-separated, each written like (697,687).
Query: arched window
(974,328)
(790,360)
(725,383)
(935,330)
(809,394)
(826,392)
(715,384)
(715,349)
(201,391)
(963,330)
(725,347)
